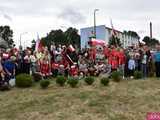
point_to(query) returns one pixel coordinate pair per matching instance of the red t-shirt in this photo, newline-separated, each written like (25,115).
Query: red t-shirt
(122,58)
(74,71)
(114,63)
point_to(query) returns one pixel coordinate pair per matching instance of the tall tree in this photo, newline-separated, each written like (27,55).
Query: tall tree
(70,36)
(7,34)
(150,42)
(33,45)
(133,34)
(55,36)
(114,41)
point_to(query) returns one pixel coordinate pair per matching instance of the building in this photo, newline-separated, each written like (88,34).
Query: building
(105,33)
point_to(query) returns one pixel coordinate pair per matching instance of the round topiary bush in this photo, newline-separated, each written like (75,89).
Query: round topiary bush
(36,77)
(89,80)
(138,75)
(116,76)
(44,84)
(24,81)
(73,82)
(61,80)
(105,81)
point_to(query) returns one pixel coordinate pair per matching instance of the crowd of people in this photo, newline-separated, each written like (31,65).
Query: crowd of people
(68,61)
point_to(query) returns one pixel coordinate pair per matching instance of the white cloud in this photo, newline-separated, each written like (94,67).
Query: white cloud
(41,16)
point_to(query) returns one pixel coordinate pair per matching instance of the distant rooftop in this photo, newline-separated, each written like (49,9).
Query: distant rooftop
(101,26)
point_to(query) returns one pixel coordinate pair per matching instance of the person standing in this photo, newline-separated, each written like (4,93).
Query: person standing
(27,62)
(131,66)
(121,61)
(157,61)
(144,64)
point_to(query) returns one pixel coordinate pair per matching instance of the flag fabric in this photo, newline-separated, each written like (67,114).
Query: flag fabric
(71,48)
(113,30)
(114,33)
(38,44)
(95,42)
(5,55)
(7,17)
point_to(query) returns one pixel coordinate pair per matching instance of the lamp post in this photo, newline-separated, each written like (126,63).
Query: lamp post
(20,40)
(95,10)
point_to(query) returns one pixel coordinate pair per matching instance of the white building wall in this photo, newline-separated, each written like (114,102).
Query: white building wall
(129,40)
(105,33)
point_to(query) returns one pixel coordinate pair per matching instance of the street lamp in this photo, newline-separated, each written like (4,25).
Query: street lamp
(20,41)
(95,10)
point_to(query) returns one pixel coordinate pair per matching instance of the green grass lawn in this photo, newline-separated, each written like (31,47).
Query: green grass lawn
(127,100)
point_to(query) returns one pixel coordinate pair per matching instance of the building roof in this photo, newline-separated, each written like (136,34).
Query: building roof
(102,25)
(114,29)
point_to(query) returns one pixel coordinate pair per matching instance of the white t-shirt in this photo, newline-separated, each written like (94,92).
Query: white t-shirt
(144,60)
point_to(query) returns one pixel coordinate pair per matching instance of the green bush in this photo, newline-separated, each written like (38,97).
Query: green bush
(24,81)
(89,80)
(44,84)
(73,82)
(105,81)
(61,80)
(37,77)
(116,76)
(138,75)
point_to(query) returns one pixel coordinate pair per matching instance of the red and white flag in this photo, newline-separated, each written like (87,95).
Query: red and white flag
(113,30)
(71,48)
(38,44)
(95,42)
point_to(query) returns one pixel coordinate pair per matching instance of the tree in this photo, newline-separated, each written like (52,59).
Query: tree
(133,34)
(70,36)
(55,36)
(114,41)
(7,34)
(150,42)
(33,45)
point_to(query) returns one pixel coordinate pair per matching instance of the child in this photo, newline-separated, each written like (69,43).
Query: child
(55,67)
(33,63)
(61,70)
(45,67)
(9,68)
(74,70)
(131,66)
(27,62)
(121,60)
(114,64)
(83,68)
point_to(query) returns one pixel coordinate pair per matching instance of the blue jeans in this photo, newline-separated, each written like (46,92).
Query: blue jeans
(144,70)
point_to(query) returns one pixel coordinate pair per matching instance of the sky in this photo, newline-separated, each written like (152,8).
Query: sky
(41,16)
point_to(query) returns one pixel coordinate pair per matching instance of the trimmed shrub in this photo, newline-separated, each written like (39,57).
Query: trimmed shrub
(61,80)
(73,82)
(89,80)
(37,77)
(138,75)
(116,76)
(24,81)
(44,84)
(105,81)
